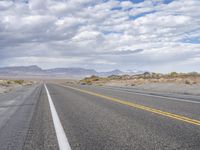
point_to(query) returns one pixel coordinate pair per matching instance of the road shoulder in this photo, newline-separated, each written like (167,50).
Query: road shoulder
(41,134)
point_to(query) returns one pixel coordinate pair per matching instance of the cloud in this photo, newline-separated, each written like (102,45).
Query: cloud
(122,52)
(110,34)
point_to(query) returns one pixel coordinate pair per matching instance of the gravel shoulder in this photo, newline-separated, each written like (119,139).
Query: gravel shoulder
(169,88)
(41,134)
(187,84)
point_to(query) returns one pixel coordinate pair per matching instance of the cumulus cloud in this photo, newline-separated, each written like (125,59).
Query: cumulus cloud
(149,35)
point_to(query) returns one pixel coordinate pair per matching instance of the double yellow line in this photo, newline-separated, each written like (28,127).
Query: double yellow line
(152,110)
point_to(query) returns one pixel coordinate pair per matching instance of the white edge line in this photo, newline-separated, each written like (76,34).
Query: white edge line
(169,98)
(60,133)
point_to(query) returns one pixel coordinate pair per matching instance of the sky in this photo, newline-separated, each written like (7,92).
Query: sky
(153,35)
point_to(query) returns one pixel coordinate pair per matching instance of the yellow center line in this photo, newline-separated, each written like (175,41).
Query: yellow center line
(149,109)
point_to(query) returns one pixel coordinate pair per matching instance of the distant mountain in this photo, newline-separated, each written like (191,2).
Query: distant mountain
(37,71)
(113,72)
(71,71)
(20,70)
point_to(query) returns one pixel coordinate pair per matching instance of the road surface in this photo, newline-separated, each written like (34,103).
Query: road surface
(97,118)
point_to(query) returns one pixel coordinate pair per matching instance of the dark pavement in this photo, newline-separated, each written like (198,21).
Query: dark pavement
(92,122)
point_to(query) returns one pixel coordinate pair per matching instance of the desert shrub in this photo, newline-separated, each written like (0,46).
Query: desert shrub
(115,77)
(94,78)
(8,82)
(89,80)
(193,74)
(19,81)
(146,73)
(187,82)
(173,74)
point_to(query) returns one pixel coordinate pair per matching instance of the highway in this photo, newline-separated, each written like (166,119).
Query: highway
(52,116)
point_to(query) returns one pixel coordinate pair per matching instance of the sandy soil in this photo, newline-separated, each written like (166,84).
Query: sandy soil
(179,85)
(9,85)
(169,88)
(175,87)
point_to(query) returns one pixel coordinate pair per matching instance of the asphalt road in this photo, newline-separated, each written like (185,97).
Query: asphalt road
(98,118)
(25,120)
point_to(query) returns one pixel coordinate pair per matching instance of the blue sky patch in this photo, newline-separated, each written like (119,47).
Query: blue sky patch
(116,8)
(167,1)
(134,1)
(141,15)
(192,40)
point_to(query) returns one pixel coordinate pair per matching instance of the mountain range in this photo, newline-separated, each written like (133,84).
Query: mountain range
(71,72)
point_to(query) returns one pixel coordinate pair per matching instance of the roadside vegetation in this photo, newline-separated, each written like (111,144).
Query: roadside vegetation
(146,77)
(94,79)
(8,85)
(10,82)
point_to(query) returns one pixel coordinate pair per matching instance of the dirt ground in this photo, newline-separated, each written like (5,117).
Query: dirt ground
(8,85)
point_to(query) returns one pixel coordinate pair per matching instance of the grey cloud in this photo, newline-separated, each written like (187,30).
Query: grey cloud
(91,30)
(122,52)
